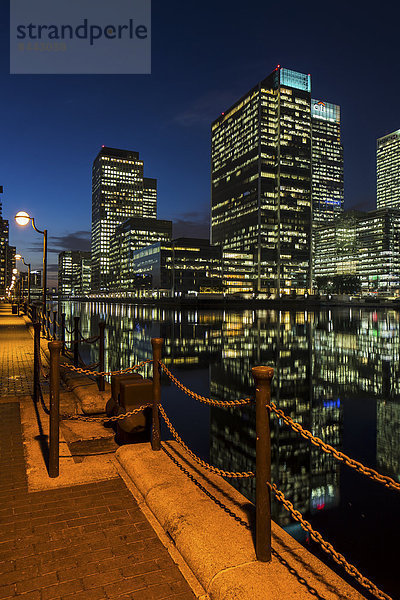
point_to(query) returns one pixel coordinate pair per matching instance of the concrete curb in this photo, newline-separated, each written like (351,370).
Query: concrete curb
(216,547)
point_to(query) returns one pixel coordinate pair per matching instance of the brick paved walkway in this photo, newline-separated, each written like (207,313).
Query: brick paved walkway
(83,542)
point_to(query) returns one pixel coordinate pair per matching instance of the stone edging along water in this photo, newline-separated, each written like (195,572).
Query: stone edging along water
(215,546)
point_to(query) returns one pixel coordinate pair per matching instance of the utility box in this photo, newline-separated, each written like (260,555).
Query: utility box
(116,380)
(134,394)
(14,309)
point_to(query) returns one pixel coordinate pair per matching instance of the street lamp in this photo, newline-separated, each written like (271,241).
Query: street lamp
(22,218)
(19,257)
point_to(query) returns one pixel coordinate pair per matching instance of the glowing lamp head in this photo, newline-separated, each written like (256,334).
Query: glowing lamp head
(18,257)
(15,271)
(22,218)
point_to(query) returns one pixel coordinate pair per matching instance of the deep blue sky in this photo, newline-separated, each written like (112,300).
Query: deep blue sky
(204,56)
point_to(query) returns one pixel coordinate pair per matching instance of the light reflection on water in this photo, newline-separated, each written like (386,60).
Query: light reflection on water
(336,372)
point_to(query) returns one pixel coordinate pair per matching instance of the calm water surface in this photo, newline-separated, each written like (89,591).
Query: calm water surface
(336,372)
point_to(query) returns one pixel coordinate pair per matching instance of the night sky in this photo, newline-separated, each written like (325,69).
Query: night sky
(204,56)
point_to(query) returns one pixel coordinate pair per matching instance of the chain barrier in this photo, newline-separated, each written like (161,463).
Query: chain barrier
(201,462)
(107,419)
(42,402)
(202,399)
(39,354)
(350,462)
(91,340)
(326,546)
(106,373)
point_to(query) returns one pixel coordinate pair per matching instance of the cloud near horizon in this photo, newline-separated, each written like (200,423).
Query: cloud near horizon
(192,224)
(77,240)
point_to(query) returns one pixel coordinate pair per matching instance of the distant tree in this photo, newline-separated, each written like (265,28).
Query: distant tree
(339,284)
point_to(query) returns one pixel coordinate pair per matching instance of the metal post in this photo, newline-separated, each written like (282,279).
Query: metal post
(76,341)
(62,332)
(101,380)
(36,359)
(55,349)
(44,274)
(55,324)
(48,324)
(155,430)
(262,377)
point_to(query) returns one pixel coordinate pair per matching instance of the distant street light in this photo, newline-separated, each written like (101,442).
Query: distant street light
(19,257)
(22,218)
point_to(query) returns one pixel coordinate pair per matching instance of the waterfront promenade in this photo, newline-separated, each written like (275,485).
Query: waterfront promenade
(82,536)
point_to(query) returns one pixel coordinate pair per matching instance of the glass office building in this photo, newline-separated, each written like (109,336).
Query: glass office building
(74,270)
(366,245)
(327,162)
(192,266)
(261,180)
(388,170)
(119,191)
(133,234)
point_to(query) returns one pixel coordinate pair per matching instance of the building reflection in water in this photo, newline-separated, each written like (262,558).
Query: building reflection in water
(321,360)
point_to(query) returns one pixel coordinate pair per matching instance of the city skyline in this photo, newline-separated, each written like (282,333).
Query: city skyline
(167,115)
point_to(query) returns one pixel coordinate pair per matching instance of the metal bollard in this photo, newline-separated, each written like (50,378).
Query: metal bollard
(48,324)
(100,379)
(55,324)
(76,341)
(155,429)
(62,333)
(42,321)
(262,377)
(36,359)
(55,349)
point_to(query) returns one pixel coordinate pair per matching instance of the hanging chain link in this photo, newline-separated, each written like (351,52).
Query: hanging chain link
(327,547)
(201,462)
(202,399)
(105,419)
(90,340)
(350,462)
(106,373)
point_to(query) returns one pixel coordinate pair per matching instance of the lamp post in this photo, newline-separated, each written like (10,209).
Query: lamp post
(19,257)
(22,218)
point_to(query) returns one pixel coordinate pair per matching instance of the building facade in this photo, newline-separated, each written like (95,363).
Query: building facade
(74,273)
(388,170)
(191,266)
(261,180)
(119,191)
(327,162)
(7,254)
(365,245)
(133,234)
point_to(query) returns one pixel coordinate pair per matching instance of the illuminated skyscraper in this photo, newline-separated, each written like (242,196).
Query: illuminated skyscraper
(74,273)
(388,170)
(7,253)
(119,191)
(261,180)
(327,162)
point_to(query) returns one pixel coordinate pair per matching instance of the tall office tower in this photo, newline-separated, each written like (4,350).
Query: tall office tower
(388,170)
(6,259)
(117,194)
(74,268)
(261,180)
(150,198)
(327,162)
